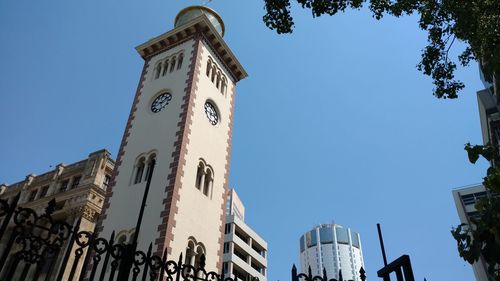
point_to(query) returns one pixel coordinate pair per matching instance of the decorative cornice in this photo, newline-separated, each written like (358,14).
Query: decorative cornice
(199,24)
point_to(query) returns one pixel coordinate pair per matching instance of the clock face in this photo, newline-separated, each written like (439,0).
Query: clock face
(160,102)
(212,116)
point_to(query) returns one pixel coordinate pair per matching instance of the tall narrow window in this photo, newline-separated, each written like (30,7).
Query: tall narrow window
(105,183)
(223,86)
(214,70)
(43,191)
(209,67)
(139,171)
(199,175)
(190,253)
(165,68)
(218,80)
(32,195)
(208,182)
(179,63)
(64,185)
(151,164)
(199,252)
(76,181)
(172,65)
(158,71)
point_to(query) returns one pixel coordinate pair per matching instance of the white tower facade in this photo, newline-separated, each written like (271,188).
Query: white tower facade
(181,119)
(334,248)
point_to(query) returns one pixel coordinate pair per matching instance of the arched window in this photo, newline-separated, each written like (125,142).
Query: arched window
(172,65)
(165,68)
(207,184)
(194,252)
(223,86)
(209,67)
(179,63)
(190,252)
(158,70)
(214,70)
(150,166)
(122,240)
(139,170)
(200,175)
(200,251)
(204,178)
(218,80)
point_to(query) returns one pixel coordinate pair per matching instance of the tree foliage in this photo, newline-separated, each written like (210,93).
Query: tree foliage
(474,22)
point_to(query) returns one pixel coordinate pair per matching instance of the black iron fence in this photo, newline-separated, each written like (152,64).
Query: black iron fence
(35,247)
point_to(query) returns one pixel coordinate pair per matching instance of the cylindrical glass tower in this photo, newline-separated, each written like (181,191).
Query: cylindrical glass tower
(334,248)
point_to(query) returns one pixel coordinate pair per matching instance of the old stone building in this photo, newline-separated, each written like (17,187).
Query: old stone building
(78,189)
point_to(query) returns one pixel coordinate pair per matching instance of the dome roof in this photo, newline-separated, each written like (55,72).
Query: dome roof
(192,12)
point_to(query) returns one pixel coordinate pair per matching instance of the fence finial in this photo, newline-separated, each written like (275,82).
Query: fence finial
(202,261)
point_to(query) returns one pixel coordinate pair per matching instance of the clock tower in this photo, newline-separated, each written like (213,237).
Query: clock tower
(178,135)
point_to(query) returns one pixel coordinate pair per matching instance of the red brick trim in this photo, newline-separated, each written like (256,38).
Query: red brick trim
(174,179)
(226,180)
(126,134)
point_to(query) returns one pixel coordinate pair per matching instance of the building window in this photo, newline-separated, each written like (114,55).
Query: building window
(208,182)
(216,75)
(217,84)
(158,70)
(179,63)
(199,175)
(32,195)
(204,178)
(209,67)
(227,228)
(105,183)
(76,181)
(150,167)
(172,65)
(223,86)
(226,247)
(43,191)
(64,185)
(139,170)
(214,70)
(165,68)
(194,251)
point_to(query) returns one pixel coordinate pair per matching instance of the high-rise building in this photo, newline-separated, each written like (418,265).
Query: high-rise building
(245,252)
(179,132)
(466,197)
(465,201)
(333,248)
(78,190)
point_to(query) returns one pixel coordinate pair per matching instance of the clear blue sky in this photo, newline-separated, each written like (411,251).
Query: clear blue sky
(334,122)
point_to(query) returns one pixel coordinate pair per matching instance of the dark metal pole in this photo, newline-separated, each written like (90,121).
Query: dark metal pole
(143,205)
(381,243)
(129,250)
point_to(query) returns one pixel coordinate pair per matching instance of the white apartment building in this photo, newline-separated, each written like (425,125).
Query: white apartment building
(245,252)
(465,200)
(334,248)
